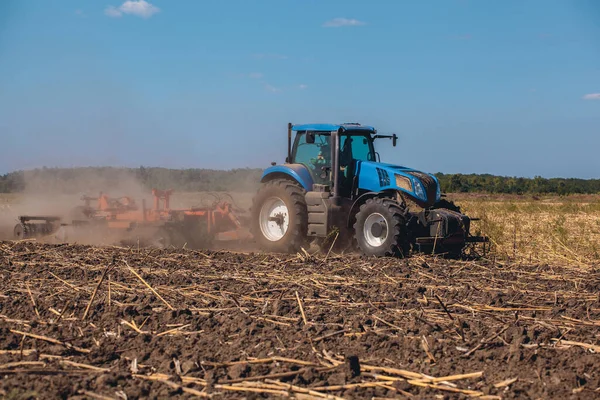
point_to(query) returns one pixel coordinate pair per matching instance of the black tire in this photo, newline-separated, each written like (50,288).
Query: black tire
(292,196)
(396,243)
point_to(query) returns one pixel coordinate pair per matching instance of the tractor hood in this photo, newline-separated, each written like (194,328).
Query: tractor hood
(424,188)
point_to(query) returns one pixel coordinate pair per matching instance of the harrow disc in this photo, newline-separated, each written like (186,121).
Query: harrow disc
(20,232)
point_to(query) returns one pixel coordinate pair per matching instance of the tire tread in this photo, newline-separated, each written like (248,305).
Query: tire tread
(299,209)
(398,247)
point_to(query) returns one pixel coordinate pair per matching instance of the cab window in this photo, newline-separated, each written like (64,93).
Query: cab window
(356,148)
(308,153)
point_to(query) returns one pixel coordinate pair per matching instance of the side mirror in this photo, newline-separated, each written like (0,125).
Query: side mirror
(394,139)
(310,137)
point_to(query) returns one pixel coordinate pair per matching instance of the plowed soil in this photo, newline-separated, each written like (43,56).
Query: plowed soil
(87,322)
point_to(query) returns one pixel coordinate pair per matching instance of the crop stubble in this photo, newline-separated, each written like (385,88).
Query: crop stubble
(108,322)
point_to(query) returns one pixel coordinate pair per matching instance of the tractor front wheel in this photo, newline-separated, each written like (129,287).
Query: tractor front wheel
(280,216)
(380,229)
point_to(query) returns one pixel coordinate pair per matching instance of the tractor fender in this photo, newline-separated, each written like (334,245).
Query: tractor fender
(364,197)
(296,172)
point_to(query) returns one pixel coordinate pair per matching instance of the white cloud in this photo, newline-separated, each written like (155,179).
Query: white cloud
(339,22)
(592,96)
(272,88)
(139,8)
(255,75)
(302,86)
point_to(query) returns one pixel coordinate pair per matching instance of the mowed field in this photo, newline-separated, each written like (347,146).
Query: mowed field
(111,322)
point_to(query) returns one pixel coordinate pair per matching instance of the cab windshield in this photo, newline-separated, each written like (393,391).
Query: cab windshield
(352,147)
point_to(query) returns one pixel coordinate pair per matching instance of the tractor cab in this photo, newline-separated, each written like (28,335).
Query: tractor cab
(314,150)
(332,154)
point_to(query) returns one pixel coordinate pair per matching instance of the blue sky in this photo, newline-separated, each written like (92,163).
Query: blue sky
(506,87)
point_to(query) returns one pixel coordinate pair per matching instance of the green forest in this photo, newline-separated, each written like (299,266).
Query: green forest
(69,180)
(486,183)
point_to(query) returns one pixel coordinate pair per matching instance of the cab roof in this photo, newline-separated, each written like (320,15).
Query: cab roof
(334,127)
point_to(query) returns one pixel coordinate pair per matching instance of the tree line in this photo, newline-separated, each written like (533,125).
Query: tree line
(486,183)
(68,180)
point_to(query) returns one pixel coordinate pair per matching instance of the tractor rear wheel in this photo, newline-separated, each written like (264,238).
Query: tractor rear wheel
(280,216)
(380,229)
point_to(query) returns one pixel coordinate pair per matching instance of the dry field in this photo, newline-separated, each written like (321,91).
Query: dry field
(114,323)
(529,229)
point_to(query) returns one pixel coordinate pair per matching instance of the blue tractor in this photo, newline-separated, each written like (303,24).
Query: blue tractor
(333,182)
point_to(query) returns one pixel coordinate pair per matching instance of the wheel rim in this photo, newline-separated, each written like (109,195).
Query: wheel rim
(375,230)
(274,219)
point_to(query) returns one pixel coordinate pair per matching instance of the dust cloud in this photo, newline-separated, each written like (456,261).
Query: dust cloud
(59,192)
(52,194)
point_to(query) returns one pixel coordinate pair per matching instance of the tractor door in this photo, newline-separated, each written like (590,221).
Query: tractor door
(353,150)
(314,155)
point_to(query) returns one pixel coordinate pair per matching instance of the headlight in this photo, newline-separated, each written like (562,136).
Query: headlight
(419,191)
(438,193)
(403,182)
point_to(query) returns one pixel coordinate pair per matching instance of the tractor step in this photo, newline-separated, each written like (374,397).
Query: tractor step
(318,213)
